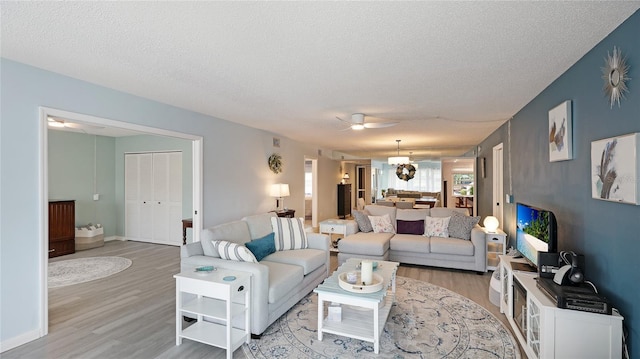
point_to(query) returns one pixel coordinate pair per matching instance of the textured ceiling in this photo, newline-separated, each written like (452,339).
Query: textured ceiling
(449,72)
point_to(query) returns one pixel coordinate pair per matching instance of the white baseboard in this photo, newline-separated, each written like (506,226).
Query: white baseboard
(19,340)
(114,238)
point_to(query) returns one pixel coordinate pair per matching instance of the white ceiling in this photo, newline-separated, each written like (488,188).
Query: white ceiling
(449,72)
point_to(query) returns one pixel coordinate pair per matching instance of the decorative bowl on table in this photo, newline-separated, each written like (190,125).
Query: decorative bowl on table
(359,287)
(205,269)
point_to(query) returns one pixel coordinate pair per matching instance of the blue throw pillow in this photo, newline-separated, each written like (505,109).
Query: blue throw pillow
(262,247)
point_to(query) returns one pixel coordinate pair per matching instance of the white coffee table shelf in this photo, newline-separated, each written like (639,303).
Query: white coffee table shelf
(215,302)
(358,323)
(363,314)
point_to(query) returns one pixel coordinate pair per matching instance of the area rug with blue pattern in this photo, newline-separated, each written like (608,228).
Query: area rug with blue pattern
(426,321)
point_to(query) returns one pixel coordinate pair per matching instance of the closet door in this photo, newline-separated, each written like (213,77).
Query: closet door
(153,197)
(167,197)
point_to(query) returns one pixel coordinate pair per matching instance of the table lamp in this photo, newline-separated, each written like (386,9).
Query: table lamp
(491,223)
(279,190)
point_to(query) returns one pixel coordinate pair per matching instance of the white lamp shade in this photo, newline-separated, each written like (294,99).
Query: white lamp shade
(346,176)
(398,160)
(279,190)
(491,223)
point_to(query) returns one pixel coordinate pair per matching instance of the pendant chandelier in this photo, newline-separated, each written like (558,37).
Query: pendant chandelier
(398,160)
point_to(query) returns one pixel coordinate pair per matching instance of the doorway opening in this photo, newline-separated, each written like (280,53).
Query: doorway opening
(74,118)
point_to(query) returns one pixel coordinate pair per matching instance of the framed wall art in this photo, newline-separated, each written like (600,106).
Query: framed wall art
(560,133)
(614,169)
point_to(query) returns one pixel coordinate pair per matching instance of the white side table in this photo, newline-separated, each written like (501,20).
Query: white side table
(217,297)
(496,245)
(338,226)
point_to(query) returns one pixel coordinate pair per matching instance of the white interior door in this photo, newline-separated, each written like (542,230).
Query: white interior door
(498,182)
(153,191)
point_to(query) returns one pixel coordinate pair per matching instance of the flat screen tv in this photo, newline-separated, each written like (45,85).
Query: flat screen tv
(536,231)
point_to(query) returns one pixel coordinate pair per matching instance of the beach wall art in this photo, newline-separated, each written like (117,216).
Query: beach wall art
(614,169)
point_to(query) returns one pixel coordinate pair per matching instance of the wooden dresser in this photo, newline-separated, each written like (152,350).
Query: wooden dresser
(344,200)
(62,223)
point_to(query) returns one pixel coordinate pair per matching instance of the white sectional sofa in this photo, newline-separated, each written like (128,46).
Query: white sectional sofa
(279,280)
(449,252)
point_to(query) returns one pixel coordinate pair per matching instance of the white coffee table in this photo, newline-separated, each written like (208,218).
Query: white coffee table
(367,321)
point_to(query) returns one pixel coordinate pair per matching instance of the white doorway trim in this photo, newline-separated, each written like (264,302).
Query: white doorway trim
(43,194)
(498,182)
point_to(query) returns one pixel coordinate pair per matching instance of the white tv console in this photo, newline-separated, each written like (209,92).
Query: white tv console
(546,331)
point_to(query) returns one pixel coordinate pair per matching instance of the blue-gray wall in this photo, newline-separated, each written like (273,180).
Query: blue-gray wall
(607,233)
(235,178)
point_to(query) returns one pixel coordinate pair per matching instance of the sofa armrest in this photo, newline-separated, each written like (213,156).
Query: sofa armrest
(191,249)
(318,241)
(479,240)
(259,286)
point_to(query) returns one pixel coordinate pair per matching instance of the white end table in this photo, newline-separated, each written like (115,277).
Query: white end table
(220,295)
(496,246)
(336,226)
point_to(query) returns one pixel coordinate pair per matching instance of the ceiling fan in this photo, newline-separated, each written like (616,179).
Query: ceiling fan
(358,123)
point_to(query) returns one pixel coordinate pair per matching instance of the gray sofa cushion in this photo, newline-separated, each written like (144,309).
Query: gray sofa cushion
(236,231)
(283,279)
(259,224)
(308,259)
(373,244)
(451,246)
(460,226)
(410,243)
(362,218)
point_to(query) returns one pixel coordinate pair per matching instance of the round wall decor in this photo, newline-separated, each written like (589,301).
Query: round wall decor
(275,163)
(614,74)
(405,172)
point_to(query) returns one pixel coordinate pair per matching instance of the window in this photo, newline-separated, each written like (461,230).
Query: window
(308,183)
(462,184)
(428,178)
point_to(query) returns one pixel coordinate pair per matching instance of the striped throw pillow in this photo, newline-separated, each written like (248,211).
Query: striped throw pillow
(234,251)
(289,233)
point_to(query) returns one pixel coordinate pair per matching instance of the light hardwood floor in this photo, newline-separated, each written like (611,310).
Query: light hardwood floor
(131,314)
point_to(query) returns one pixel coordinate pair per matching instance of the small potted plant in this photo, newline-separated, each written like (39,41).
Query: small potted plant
(383,193)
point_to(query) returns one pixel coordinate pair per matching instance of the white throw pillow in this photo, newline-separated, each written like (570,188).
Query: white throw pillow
(436,226)
(234,251)
(289,233)
(381,224)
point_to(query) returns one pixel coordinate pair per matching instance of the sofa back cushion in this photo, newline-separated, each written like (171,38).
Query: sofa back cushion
(375,210)
(259,224)
(447,212)
(236,232)
(412,214)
